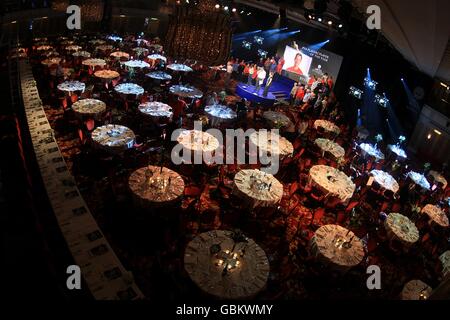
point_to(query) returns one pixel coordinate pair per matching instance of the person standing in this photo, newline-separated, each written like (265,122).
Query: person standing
(293,92)
(251,71)
(299,95)
(260,76)
(179,110)
(228,74)
(268,83)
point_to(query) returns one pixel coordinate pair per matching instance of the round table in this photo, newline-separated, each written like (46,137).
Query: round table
(385,180)
(271,144)
(120,54)
(129,88)
(398,151)
(330,146)
(67,42)
(247,265)
(152,185)
(156,56)
(106,74)
(50,54)
(71,86)
(419,179)
(94,62)
(82,54)
(179,67)
(113,137)
(97,41)
(73,48)
(218,114)
(257,188)
(277,119)
(337,246)
(198,141)
(401,228)
(185,91)
(136,64)
(89,107)
(333,181)
(44,48)
(51,61)
(438,178)
(327,126)
(104,47)
(371,150)
(445,260)
(159,75)
(436,214)
(156,110)
(416,290)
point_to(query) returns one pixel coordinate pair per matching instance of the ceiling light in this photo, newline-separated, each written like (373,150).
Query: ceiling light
(225,8)
(217,6)
(234,9)
(330,22)
(340,25)
(319,19)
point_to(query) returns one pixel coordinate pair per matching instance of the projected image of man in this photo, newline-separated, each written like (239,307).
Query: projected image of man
(296,67)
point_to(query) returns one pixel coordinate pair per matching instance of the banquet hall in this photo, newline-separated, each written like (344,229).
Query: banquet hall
(212,150)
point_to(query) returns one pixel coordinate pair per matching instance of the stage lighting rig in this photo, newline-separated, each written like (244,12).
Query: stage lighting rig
(247,45)
(258,40)
(262,53)
(355,92)
(381,100)
(371,84)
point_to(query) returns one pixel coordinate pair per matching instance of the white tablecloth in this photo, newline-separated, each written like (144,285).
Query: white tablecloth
(401,228)
(257,188)
(372,151)
(136,64)
(151,185)
(385,180)
(416,290)
(157,57)
(445,260)
(105,47)
(89,107)
(83,54)
(333,181)
(277,119)
(436,214)
(73,48)
(156,110)
(271,144)
(185,91)
(419,179)
(120,54)
(94,62)
(218,114)
(244,281)
(129,88)
(51,61)
(398,151)
(114,137)
(71,86)
(106,74)
(198,141)
(159,75)
(44,48)
(332,147)
(327,126)
(179,67)
(338,246)
(97,41)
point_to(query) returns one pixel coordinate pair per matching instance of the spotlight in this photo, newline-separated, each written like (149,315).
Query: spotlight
(382,101)
(319,19)
(258,40)
(371,84)
(262,53)
(402,79)
(330,22)
(340,25)
(225,8)
(247,45)
(234,9)
(217,6)
(355,92)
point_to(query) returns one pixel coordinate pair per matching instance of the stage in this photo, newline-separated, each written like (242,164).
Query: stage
(280,89)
